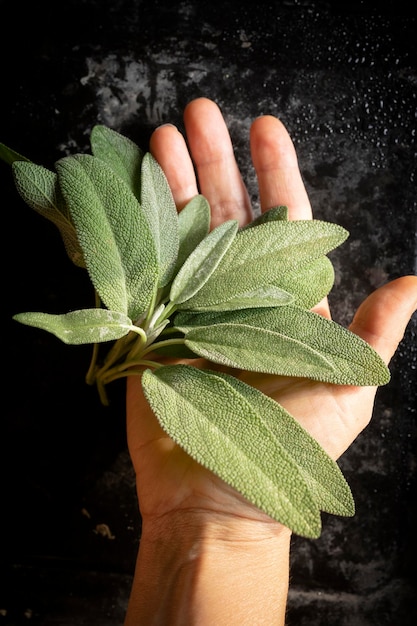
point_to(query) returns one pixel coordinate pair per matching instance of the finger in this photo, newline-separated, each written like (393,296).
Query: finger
(276,165)
(279,179)
(382,318)
(218,175)
(170,150)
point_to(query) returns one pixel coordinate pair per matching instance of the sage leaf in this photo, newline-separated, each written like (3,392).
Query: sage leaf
(160,210)
(274,214)
(120,153)
(260,256)
(113,232)
(39,188)
(220,429)
(289,341)
(202,262)
(309,283)
(9,156)
(80,327)
(266,296)
(323,476)
(193,226)
(258,350)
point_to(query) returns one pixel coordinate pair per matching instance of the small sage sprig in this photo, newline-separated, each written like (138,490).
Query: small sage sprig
(239,297)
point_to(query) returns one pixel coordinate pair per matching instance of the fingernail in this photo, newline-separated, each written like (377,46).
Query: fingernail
(167,125)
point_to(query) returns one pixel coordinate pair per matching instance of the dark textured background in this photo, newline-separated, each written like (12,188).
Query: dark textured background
(343,78)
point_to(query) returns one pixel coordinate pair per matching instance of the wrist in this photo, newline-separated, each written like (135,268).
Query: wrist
(196,567)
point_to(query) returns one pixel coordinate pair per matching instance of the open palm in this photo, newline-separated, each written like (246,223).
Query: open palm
(168,480)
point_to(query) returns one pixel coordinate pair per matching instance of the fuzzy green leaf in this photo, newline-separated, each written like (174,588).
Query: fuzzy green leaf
(321,473)
(220,429)
(160,210)
(284,340)
(275,214)
(193,226)
(309,283)
(113,233)
(266,296)
(260,256)
(202,262)
(80,327)
(120,153)
(9,156)
(39,188)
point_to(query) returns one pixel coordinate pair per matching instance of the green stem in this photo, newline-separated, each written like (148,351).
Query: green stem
(126,369)
(137,346)
(91,370)
(123,347)
(102,393)
(170,308)
(163,344)
(170,330)
(151,308)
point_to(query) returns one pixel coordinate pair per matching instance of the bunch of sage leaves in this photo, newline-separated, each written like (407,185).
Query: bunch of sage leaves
(241,298)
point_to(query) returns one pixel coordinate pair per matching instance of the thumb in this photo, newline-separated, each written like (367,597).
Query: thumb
(382,318)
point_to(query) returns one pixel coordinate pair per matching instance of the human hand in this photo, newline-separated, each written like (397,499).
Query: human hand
(169,481)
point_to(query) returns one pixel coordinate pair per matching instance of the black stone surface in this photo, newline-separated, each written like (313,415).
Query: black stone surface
(343,78)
